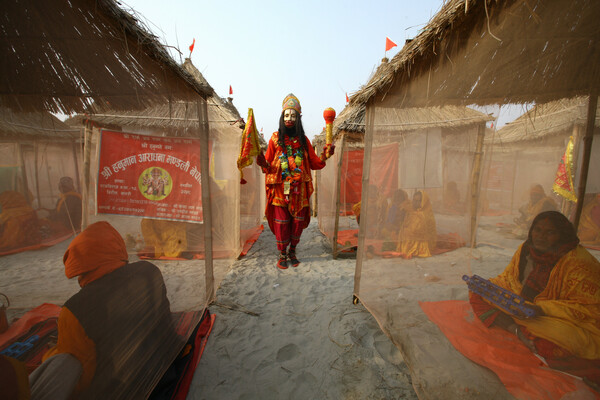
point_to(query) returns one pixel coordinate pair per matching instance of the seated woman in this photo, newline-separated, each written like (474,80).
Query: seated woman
(538,202)
(418,235)
(164,238)
(115,336)
(452,201)
(67,213)
(19,225)
(589,224)
(562,281)
(396,213)
(377,209)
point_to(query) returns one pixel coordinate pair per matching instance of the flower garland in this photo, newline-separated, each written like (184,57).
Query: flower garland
(291,160)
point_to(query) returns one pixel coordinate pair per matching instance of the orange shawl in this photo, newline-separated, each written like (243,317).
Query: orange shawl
(570,301)
(95,252)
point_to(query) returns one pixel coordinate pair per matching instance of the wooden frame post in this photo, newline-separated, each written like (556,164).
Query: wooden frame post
(364,198)
(338,189)
(202,110)
(476,181)
(85,192)
(588,138)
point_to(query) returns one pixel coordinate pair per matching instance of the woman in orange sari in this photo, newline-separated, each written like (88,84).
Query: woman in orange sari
(562,281)
(19,225)
(589,224)
(418,235)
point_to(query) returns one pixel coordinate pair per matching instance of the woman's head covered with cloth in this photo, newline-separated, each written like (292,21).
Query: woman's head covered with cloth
(95,252)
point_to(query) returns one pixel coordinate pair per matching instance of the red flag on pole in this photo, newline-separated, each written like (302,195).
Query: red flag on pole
(389,44)
(192,46)
(230,90)
(563,181)
(250,147)
(347,99)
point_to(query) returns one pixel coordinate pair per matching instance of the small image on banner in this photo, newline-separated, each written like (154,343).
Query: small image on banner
(149,176)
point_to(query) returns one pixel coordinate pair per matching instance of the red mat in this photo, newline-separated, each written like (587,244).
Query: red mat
(51,241)
(523,374)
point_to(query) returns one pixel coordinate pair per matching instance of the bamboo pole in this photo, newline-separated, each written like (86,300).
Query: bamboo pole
(588,138)
(476,181)
(364,206)
(76,164)
(85,195)
(315,200)
(36,174)
(202,112)
(337,191)
(24,174)
(516,158)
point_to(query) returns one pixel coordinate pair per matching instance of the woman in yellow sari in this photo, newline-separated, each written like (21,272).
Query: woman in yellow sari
(538,202)
(165,238)
(589,224)
(418,235)
(562,281)
(19,225)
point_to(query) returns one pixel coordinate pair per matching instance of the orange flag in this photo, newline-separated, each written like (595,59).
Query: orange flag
(389,44)
(347,99)
(563,182)
(249,147)
(230,90)
(192,46)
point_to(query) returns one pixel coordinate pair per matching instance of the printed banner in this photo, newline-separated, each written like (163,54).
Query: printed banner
(149,176)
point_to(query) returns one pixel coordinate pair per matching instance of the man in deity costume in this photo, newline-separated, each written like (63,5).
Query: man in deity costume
(288,163)
(418,235)
(19,224)
(561,280)
(538,202)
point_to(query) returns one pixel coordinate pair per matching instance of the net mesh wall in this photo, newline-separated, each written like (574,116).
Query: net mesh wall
(326,192)
(481,126)
(138,316)
(176,246)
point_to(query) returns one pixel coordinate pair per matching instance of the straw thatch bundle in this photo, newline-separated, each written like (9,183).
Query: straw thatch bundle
(32,126)
(548,119)
(65,55)
(173,116)
(558,37)
(351,121)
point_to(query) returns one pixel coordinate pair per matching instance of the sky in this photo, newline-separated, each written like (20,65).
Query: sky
(318,50)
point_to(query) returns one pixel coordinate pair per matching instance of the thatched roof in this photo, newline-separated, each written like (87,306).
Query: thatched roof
(496,51)
(34,125)
(65,55)
(172,115)
(547,119)
(351,120)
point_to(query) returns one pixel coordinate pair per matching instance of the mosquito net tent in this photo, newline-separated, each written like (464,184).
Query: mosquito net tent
(446,134)
(93,57)
(37,150)
(473,190)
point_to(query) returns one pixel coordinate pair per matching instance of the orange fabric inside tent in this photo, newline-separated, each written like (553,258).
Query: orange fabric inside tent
(523,374)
